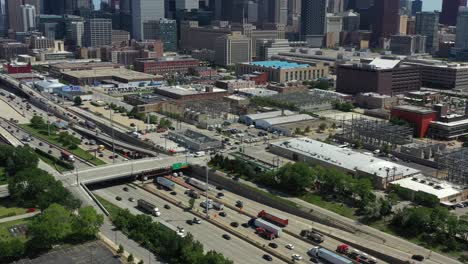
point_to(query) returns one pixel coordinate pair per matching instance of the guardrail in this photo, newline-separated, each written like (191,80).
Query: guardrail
(94,199)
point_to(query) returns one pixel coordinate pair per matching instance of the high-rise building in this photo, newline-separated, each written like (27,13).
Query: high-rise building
(164,30)
(403,25)
(405,7)
(28,18)
(98,32)
(461,41)
(232,49)
(334,27)
(142,11)
(416,6)
(186,4)
(77,33)
(449,13)
(15,12)
(427,25)
(125,6)
(313,18)
(386,20)
(3,18)
(335,6)
(273,11)
(351,21)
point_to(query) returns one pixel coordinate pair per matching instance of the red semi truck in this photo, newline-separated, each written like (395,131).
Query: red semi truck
(274,218)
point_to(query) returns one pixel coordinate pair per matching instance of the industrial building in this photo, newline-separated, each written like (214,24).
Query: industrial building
(360,165)
(194,140)
(383,76)
(191,92)
(166,65)
(58,69)
(283,71)
(49,86)
(252,118)
(375,101)
(420,117)
(90,77)
(447,193)
(270,123)
(147,103)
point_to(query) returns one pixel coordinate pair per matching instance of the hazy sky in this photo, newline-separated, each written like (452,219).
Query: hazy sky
(431,5)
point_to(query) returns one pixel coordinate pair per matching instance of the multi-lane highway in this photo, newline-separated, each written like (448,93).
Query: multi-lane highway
(208,234)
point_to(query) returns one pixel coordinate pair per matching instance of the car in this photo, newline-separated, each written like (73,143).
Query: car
(245,225)
(220,195)
(235,224)
(189,222)
(460,205)
(50,146)
(273,245)
(101,155)
(173,193)
(267,257)
(196,221)
(118,198)
(227,237)
(223,214)
(465,204)
(49,151)
(166,206)
(125,189)
(290,246)
(40,144)
(418,257)
(296,257)
(239,204)
(131,199)
(219,188)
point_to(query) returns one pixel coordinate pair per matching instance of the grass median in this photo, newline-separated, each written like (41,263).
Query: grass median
(110,207)
(5,234)
(9,208)
(79,152)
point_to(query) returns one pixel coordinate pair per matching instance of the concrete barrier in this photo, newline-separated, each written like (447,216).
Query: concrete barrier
(94,199)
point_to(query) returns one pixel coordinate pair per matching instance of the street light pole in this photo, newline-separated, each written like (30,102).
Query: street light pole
(77,179)
(48,122)
(113,140)
(206,201)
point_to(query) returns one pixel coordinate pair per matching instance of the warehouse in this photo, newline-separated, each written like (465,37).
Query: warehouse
(361,165)
(194,140)
(251,119)
(270,123)
(91,77)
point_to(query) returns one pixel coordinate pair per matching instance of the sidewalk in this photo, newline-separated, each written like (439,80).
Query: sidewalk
(18,217)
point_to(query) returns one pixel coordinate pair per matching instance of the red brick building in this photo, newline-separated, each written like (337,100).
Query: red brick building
(166,65)
(259,78)
(420,117)
(14,68)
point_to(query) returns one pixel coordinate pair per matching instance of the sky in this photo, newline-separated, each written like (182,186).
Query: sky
(431,5)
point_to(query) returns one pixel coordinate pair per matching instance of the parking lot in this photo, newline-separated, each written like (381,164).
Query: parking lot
(92,252)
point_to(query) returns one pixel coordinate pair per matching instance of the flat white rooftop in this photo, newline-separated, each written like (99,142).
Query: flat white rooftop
(345,158)
(439,188)
(270,114)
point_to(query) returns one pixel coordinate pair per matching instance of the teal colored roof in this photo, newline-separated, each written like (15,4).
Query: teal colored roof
(279,64)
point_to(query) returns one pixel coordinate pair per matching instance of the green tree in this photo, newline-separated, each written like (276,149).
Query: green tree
(307,130)
(11,249)
(51,227)
(322,126)
(322,85)
(120,251)
(294,178)
(298,131)
(191,203)
(141,261)
(77,101)
(20,158)
(87,223)
(130,259)
(37,122)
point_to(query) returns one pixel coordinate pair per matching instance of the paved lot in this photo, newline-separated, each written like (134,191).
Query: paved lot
(92,252)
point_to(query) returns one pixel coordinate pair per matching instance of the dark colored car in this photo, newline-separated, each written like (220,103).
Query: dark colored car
(273,245)
(219,188)
(223,214)
(227,237)
(220,194)
(190,222)
(173,193)
(267,257)
(125,189)
(235,224)
(418,257)
(166,206)
(118,198)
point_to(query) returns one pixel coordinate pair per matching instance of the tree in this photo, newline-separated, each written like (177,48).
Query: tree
(307,130)
(298,131)
(333,126)
(51,227)
(37,122)
(120,251)
(322,126)
(191,203)
(322,85)
(130,258)
(141,261)
(87,223)
(20,158)
(294,178)
(77,101)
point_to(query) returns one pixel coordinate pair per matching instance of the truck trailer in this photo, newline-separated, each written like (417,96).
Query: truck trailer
(274,218)
(170,185)
(148,207)
(199,184)
(328,255)
(258,222)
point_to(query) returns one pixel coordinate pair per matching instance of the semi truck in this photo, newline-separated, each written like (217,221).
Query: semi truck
(355,254)
(148,207)
(276,230)
(199,184)
(170,185)
(273,218)
(312,235)
(328,255)
(67,156)
(265,233)
(212,204)
(90,124)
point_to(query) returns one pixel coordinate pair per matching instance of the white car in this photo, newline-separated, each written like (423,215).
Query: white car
(197,221)
(296,257)
(289,246)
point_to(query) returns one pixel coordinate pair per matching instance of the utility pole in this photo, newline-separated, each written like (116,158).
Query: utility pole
(48,121)
(113,140)
(206,192)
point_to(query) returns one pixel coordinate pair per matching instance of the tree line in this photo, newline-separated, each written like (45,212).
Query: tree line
(164,242)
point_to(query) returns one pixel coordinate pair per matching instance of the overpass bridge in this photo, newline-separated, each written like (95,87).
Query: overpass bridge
(127,169)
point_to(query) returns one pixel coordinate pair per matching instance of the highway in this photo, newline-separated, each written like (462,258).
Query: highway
(209,235)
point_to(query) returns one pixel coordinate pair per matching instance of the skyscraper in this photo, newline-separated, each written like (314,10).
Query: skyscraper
(164,30)
(450,11)
(3,18)
(427,24)
(14,8)
(28,18)
(405,7)
(77,32)
(461,41)
(98,32)
(145,10)
(313,17)
(186,4)
(273,11)
(335,6)
(416,6)
(386,19)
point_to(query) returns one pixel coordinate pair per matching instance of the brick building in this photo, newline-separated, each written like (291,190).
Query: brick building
(166,65)
(13,68)
(382,76)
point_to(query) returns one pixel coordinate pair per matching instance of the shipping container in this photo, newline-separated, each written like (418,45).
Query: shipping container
(199,184)
(170,185)
(328,255)
(274,218)
(258,222)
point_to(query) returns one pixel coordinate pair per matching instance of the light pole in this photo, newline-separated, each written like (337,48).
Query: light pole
(77,179)
(206,192)
(113,140)
(48,122)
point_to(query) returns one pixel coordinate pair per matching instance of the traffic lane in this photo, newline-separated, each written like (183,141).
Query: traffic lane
(209,235)
(300,247)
